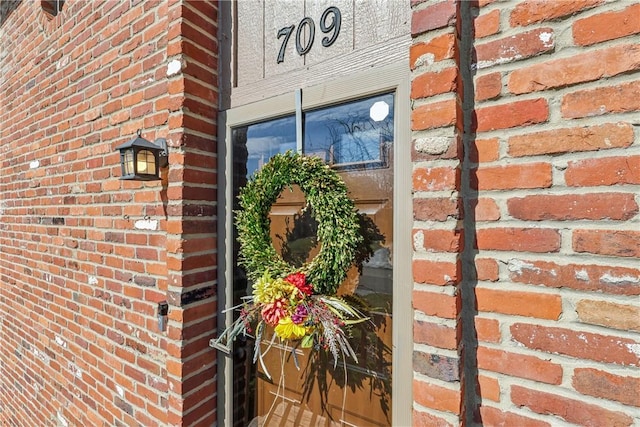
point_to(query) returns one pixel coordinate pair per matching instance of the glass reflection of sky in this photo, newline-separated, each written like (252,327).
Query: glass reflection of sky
(346,134)
(266,139)
(342,134)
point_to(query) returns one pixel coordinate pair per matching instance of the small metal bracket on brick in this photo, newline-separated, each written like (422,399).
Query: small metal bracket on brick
(163,311)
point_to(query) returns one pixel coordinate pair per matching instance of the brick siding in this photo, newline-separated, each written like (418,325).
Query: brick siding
(546,283)
(526,182)
(85,257)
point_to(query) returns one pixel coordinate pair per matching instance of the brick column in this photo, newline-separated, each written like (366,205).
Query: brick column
(436,123)
(191,209)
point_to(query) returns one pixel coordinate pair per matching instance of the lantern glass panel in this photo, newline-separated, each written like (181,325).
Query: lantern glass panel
(127,164)
(146,162)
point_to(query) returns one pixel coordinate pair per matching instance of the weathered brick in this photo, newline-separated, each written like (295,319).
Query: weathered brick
(434,83)
(529,175)
(427,419)
(511,115)
(486,210)
(435,16)
(434,115)
(486,24)
(533,11)
(488,388)
(568,140)
(576,343)
(438,240)
(495,417)
(436,304)
(597,383)
(487,269)
(581,413)
(436,272)
(607,279)
(529,304)
(436,366)
(435,50)
(607,242)
(539,240)
(609,25)
(593,206)
(436,397)
(623,98)
(435,147)
(484,150)
(487,329)
(519,365)
(603,171)
(435,335)
(609,314)
(575,69)
(435,209)
(514,48)
(434,179)
(488,86)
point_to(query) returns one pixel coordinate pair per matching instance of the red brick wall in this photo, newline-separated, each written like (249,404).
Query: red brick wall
(85,257)
(191,211)
(537,289)
(438,237)
(526,171)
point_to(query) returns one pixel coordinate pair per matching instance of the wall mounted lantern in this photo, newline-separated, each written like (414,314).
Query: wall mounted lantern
(141,160)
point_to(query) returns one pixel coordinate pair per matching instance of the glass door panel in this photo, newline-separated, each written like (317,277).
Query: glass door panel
(252,146)
(356,139)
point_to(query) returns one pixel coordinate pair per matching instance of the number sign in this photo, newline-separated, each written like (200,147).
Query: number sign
(333,27)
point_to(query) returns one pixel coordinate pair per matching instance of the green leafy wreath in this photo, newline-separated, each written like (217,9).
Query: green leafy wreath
(326,193)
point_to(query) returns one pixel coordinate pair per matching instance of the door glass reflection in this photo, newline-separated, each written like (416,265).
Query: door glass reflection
(252,146)
(353,135)
(255,144)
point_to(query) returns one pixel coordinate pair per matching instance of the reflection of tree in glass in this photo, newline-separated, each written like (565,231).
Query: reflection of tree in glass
(372,240)
(358,139)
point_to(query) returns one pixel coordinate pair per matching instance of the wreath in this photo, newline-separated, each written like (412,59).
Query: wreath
(326,193)
(299,304)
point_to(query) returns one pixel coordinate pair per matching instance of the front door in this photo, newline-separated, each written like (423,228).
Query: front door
(355,138)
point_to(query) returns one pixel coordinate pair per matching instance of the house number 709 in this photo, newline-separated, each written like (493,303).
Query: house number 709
(333,27)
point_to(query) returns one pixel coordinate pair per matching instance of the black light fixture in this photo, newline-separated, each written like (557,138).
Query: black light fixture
(141,160)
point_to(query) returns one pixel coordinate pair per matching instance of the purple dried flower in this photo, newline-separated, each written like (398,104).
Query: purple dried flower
(300,314)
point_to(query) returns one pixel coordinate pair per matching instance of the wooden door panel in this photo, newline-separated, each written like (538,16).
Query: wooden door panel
(366,400)
(282,399)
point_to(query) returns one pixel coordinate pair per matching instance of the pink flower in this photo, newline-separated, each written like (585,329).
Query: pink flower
(273,312)
(299,280)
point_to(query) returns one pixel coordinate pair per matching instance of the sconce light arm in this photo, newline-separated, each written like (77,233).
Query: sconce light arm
(164,151)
